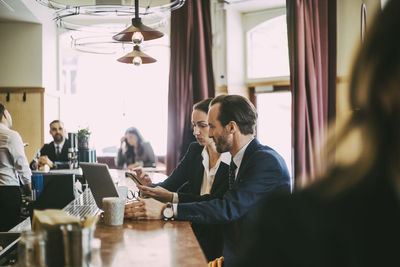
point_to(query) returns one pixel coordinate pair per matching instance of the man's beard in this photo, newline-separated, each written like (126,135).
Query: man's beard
(223,143)
(58,138)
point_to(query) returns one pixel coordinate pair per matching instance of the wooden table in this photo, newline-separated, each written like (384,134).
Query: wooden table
(147,243)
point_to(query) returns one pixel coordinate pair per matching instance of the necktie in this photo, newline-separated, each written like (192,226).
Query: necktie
(232,169)
(57,150)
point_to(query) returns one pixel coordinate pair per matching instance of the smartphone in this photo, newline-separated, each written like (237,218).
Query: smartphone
(133,177)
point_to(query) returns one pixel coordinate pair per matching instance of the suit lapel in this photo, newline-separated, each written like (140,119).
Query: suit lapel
(220,176)
(253,146)
(52,152)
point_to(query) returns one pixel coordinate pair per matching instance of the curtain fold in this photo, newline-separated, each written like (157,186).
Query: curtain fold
(312,55)
(191,74)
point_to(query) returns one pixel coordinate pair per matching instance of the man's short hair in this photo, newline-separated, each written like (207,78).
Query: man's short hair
(238,109)
(55,121)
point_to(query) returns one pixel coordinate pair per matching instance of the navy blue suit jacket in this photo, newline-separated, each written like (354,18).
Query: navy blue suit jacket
(262,172)
(187,179)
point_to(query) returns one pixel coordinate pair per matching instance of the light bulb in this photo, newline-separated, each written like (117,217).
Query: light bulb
(137,38)
(137,61)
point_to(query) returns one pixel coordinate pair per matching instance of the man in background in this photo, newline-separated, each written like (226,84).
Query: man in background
(55,151)
(14,170)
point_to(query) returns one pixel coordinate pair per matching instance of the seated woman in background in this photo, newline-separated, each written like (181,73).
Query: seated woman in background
(351,217)
(134,151)
(201,175)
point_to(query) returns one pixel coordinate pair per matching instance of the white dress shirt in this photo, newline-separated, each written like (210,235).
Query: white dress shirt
(13,162)
(60,146)
(209,173)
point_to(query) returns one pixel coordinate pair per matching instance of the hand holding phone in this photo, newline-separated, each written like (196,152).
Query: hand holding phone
(133,177)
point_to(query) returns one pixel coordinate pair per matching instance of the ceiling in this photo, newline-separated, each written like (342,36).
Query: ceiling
(17,10)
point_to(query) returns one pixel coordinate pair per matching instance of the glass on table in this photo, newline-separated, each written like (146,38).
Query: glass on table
(31,249)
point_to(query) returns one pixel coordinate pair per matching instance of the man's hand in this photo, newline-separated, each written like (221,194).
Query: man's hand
(144,209)
(159,193)
(43,160)
(143,176)
(27,189)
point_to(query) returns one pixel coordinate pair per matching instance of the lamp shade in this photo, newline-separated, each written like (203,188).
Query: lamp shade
(137,26)
(128,58)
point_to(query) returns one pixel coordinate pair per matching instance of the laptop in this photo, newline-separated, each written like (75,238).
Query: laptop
(99,180)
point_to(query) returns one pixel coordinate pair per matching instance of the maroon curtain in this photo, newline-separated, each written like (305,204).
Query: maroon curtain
(191,74)
(312,55)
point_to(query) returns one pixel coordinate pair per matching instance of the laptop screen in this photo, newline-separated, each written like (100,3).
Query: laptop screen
(99,180)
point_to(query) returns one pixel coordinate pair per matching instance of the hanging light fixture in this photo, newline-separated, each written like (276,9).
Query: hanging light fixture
(136,57)
(137,33)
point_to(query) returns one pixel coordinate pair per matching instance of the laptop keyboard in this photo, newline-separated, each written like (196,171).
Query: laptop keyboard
(83,205)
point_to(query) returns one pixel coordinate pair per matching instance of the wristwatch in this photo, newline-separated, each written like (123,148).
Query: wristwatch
(168,212)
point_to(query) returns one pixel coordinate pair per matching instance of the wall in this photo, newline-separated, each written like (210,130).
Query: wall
(29,63)
(228,50)
(348,42)
(235,53)
(21,54)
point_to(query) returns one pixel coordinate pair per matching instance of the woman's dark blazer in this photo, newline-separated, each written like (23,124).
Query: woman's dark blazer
(187,179)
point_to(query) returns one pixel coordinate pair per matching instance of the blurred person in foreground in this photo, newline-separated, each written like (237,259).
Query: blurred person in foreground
(14,170)
(351,217)
(255,171)
(201,175)
(134,151)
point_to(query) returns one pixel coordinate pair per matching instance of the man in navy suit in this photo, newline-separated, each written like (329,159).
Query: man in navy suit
(256,171)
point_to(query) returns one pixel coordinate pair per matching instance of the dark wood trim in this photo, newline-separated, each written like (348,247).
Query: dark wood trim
(274,83)
(21,89)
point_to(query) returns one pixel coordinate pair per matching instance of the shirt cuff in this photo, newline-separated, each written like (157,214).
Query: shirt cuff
(175,209)
(175,198)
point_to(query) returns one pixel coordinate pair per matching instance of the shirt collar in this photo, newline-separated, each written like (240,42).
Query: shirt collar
(61,145)
(225,158)
(237,159)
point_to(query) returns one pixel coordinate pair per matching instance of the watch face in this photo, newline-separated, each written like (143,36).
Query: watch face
(168,212)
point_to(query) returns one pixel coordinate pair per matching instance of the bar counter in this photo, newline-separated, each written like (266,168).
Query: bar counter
(147,243)
(140,243)
(136,243)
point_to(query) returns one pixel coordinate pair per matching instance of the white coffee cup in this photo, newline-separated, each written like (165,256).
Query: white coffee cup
(123,192)
(114,208)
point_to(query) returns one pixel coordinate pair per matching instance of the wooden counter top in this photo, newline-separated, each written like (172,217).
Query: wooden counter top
(148,243)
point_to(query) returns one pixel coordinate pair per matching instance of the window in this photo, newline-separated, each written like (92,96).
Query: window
(268,63)
(267,53)
(274,122)
(108,96)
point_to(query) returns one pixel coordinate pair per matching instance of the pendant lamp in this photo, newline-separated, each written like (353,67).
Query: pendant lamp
(137,33)
(136,57)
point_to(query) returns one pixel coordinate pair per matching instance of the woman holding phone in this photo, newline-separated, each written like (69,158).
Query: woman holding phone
(134,151)
(201,175)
